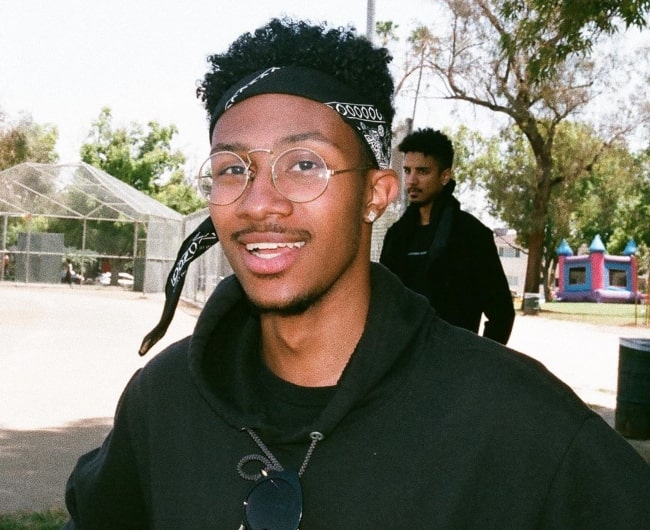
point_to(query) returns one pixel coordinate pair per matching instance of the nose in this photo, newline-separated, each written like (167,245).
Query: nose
(260,198)
(410,178)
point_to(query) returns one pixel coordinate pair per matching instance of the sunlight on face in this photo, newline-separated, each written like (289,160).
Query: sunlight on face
(289,255)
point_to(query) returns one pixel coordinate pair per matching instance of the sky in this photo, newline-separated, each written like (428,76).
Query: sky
(61,61)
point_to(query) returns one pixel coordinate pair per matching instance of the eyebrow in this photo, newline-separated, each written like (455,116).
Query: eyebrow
(418,168)
(313,136)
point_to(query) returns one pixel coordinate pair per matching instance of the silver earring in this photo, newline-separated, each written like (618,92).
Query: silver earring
(371,216)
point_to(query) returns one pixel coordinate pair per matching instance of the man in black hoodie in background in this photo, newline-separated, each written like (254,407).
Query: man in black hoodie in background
(442,252)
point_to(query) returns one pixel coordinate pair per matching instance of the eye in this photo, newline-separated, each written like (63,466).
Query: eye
(301,162)
(231,170)
(226,165)
(304,165)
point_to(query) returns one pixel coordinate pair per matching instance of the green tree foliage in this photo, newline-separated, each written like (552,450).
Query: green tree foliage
(140,157)
(579,24)
(26,141)
(143,158)
(602,188)
(483,58)
(180,195)
(386,31)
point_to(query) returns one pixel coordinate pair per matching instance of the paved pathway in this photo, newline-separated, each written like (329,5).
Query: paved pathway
(66,354)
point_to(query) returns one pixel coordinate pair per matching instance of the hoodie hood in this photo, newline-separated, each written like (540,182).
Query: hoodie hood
(224,353)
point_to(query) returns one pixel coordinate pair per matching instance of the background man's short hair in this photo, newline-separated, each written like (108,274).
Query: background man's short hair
(431,143)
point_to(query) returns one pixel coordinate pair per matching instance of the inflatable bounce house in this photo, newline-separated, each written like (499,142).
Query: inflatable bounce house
(597,277)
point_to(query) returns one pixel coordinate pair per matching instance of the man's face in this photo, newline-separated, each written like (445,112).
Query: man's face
(289,255)
(423,178)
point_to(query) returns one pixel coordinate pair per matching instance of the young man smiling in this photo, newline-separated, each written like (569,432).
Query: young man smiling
(300,262)
(316,391)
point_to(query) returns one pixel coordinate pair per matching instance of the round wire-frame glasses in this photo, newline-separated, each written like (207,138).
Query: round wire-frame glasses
(299,174)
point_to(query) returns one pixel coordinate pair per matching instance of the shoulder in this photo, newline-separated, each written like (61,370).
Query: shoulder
(503,384)
(468,222)
(409,218)
(167,370)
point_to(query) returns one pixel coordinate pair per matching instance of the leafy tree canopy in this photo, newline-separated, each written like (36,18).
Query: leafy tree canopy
(579,23)
(590,171)
(26,141)
(180,195)
(141,157)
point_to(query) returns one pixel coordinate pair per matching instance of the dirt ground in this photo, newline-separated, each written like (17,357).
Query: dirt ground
(66,354)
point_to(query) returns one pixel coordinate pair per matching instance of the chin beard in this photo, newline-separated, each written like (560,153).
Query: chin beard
(422,202)
(293,307)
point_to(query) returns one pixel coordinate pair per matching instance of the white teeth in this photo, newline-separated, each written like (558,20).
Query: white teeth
(252,247)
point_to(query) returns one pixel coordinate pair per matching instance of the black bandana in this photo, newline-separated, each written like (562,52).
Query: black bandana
(364,118)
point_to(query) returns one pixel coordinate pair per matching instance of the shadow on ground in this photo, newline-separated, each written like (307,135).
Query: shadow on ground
(34,465)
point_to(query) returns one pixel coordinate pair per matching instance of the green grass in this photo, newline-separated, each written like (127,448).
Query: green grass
(48,520)
(599,314)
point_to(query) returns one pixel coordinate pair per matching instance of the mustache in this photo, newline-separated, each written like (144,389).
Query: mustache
(271,228)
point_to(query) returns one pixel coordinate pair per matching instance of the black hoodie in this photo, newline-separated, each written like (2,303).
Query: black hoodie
(463,276)
(430,426)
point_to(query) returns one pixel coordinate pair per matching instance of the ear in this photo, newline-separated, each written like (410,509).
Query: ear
(383,188)
(445,176)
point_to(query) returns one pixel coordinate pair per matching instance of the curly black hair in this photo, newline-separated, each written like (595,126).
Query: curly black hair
(430,143)
(338,52)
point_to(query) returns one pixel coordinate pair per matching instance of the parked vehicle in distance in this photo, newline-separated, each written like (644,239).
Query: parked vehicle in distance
(123,278)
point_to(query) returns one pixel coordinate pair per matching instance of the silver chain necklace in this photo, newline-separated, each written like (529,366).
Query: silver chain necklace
(269,461)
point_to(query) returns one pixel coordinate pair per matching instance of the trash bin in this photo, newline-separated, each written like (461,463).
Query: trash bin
(531,303)
(632,418)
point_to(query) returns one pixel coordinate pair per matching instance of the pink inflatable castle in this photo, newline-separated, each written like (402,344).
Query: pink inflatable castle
(597,276)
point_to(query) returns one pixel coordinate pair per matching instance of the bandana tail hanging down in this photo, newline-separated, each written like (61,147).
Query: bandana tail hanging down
(196,244)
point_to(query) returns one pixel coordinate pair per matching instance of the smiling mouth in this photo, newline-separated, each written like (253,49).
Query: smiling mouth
(266,250)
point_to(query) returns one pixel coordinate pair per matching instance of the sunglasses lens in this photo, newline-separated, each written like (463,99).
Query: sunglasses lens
(274,502)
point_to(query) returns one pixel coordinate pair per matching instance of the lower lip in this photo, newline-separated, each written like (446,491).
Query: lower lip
(283,260)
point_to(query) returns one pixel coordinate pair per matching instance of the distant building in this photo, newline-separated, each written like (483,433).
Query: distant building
(513,259)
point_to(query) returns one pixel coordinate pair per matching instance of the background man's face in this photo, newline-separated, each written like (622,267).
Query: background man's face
(423,178)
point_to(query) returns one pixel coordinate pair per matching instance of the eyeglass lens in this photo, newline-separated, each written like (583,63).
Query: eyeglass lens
(274,502)
(299,174)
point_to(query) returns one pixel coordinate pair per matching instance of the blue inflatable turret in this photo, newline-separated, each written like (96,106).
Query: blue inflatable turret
(597,245)
(564,249)
(630,248)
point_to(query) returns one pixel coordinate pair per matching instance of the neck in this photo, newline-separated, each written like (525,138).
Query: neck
(313,348)
(425,213)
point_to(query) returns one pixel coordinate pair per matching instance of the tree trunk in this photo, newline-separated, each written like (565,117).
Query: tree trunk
(549,277)
(534,265)
(539,216)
